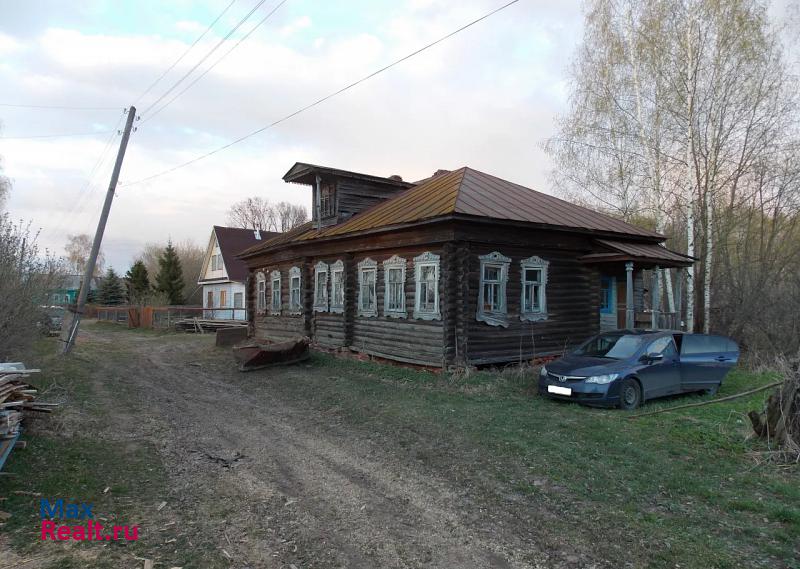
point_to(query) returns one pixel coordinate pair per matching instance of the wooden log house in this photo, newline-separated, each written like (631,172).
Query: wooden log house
(462,268)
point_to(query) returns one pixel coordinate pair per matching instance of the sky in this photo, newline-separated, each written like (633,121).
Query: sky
(487,97)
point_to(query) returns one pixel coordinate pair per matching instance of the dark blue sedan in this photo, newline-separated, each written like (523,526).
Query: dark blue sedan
(627,367)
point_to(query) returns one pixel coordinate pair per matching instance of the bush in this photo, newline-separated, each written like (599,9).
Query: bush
(26,276)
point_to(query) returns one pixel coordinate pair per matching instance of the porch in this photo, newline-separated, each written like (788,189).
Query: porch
(632,280)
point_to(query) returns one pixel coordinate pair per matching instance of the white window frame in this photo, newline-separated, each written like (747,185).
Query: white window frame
(427,259)
(295,307)
(336,268)
(541,265)
(275,277)
(365,266)
(394,263)
(261,292)
(321,304)
(496,317)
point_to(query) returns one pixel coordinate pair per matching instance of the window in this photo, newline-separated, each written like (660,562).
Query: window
(327,200)
(223,298)
(533,271)
(394,277)
(492,307)
(665,346)
(321,287)
(210,299)
(275,292)
(216,262)
(337,287)
(261,292)
(607,301)
(295,301)
(238,299)
(426,276)
(367,290)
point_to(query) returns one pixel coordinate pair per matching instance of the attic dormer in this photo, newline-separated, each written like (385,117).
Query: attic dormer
(337,195)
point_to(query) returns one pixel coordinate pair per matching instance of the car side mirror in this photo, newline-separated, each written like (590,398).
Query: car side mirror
(652,357)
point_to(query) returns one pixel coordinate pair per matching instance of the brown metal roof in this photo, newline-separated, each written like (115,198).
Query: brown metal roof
(468,192)
(648,252)
(304,173)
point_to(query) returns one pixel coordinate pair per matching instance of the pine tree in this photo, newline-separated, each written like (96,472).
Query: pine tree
(170,275)
(111,289)
(138,281)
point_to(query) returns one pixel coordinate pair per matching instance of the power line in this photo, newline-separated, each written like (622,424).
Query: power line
(205,57)
(185,53)
(79,205)
(52,135)
(60,107)
(203,74)
(323,99)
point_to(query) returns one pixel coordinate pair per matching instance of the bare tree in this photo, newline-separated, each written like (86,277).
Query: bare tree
(78,248)
(675,103)
(191,256)
(289,216)
(258,213)
(253,213)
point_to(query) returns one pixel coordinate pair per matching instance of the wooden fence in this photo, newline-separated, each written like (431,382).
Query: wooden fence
(163,317)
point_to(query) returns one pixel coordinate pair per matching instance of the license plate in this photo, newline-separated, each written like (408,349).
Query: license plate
(559,390)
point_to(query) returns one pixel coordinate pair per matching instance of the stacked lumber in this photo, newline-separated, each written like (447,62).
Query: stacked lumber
(16,397)
(202,325)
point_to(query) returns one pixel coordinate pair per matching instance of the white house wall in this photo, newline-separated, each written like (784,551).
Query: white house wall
(230,310)
(208,273)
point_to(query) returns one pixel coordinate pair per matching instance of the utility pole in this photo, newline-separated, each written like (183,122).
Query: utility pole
(72,329)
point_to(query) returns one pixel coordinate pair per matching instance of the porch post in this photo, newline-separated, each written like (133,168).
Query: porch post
(629,308)
(656,298)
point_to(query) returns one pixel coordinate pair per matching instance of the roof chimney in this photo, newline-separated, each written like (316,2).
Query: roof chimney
(257,234)
(396,177)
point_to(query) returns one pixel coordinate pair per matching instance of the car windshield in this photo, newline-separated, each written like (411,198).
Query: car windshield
(612,346)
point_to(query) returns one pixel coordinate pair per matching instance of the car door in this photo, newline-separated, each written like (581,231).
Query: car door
(661,377)
(705,360)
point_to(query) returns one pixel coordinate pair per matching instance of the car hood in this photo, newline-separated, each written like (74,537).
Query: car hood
(585,366)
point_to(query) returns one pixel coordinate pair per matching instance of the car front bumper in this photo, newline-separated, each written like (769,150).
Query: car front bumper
(581,392)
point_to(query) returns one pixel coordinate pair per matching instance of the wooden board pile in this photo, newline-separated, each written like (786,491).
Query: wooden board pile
(16,397)
(202,325)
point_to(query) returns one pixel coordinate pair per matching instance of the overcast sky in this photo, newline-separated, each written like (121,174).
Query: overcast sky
(486,98)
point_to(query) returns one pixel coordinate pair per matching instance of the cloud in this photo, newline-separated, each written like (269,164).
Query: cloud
(486,98)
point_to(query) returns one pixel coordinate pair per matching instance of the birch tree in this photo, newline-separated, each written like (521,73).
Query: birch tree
(674,104)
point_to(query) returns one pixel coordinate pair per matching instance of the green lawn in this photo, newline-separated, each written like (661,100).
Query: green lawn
(682,488)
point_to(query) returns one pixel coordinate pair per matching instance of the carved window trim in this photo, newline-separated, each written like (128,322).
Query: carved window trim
(261,293)
(321,303)
(337,268)
(275,287)
(542,265)
(365,267)
(499,316)
(427,259)
(394,263)
(295,300)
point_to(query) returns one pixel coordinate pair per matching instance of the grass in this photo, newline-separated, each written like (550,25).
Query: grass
(675,489)
(76,455)
(680,488)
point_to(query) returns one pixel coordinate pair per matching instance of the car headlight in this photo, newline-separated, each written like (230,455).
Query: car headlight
(602,379)
(543,372)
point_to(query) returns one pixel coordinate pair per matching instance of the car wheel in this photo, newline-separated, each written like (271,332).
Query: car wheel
(711,390)
(630,394)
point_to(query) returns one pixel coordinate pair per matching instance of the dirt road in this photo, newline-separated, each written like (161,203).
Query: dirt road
(263,478)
